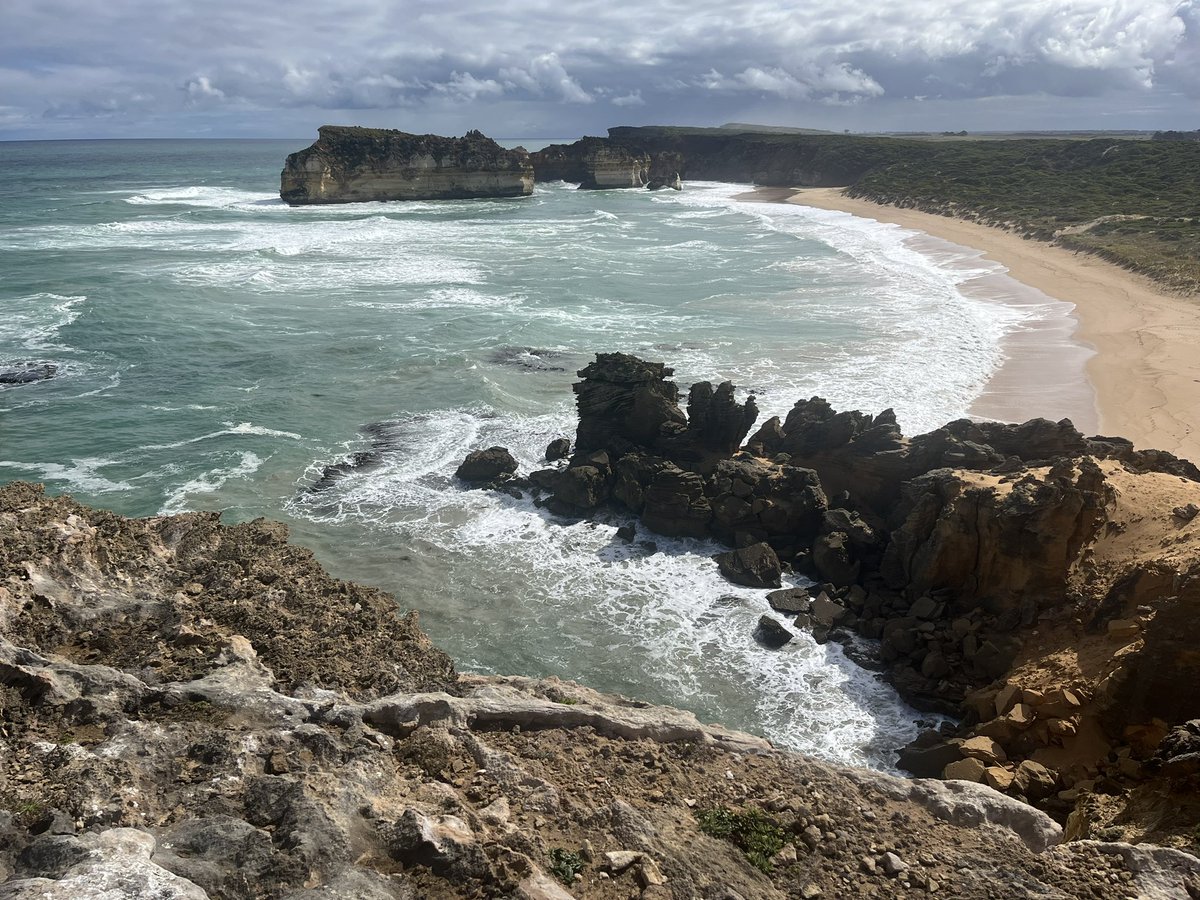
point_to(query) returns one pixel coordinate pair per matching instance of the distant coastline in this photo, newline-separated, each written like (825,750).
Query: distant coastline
(1145,371)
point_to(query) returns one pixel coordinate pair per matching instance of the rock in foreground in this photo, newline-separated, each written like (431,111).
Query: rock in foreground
(350,164)
(189,710)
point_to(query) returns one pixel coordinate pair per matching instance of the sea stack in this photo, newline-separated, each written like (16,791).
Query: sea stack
(349,164)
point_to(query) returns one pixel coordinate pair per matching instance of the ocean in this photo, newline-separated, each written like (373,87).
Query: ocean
(217,349)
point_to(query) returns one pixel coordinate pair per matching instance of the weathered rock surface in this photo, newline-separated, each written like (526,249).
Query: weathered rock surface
(350,164)
(486,465)
(1039,584)
(26,373)
(595,164)
(180,718)
(161,736)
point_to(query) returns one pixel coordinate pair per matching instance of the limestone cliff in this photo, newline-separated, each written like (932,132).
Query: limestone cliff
(600,164)
(350,164)
(195,711)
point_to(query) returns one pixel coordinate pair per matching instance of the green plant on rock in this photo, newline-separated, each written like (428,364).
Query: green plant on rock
(565,864)
(755,833)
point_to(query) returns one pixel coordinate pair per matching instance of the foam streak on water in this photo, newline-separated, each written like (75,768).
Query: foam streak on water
(219,349)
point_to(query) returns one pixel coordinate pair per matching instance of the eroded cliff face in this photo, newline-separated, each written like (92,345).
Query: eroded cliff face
(350,164)
(600,164)
(195,711)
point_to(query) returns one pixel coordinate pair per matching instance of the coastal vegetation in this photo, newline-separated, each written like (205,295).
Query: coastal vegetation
(1135,203)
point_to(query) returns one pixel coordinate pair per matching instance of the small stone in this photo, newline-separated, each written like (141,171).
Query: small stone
(1021,714)
(810,891)
(617,861)
(648,874)
(1034,780)
(786,856)
(1186,513)
(892,864)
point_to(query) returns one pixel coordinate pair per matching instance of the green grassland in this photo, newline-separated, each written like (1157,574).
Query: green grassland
(1135,203)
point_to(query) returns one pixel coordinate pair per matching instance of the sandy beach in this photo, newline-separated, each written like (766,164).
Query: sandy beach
(1146,367)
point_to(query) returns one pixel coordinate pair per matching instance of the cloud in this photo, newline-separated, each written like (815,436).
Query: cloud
(135,65)
(545,75)
(633,98)
(200,90)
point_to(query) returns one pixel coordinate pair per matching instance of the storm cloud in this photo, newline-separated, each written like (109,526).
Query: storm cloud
(536,68)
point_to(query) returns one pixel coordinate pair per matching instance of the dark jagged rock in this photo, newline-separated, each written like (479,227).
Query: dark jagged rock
(755,566)
(530,359)
(772,634)
(717,423)
(350,164)
(625,404)
(384,438)
(790,600)
(674,503)
(486,465)
(27,373)
(559,448)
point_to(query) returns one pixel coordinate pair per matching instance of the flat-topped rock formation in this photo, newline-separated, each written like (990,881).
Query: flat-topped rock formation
(350,164)
(191,711)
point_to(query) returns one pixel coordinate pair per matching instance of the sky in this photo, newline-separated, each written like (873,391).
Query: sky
(563,68)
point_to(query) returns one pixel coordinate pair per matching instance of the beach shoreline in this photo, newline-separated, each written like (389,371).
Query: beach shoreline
(1145,371)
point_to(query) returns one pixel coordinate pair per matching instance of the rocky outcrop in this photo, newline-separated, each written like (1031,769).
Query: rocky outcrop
(189,710)
(600,164)
(351,164)
(26,372)
(1037,583)
(593,163)
(664,172)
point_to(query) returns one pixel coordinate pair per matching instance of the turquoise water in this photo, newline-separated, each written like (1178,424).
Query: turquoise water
(217,349)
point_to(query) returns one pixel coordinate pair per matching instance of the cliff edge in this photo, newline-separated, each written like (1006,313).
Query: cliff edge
(350,164)
(189,710)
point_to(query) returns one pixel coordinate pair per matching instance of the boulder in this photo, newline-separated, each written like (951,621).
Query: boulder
(928,755)
(1034,780)
(581,487)
(486,465)
(771,633)
(755,566)
(559,448)
(965,770)
(790,600)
